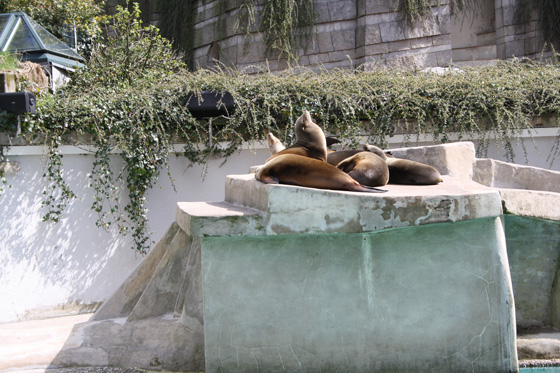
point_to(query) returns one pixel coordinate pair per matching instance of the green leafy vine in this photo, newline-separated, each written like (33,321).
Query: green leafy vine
(131,103)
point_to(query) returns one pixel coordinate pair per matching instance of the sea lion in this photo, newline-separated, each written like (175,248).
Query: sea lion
(336,157)
(310,140)
(331,140)
(366,168)
(274,144)
(374,149)
(308,172)
(404,171)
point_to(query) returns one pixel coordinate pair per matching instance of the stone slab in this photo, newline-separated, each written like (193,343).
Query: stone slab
(454,159)
(539,346)
(531,203)
(199,219)
(157,343)
(498,174)
(292,209)
(125,298)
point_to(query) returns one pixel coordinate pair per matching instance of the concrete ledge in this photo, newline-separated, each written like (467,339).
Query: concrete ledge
(200,219)
(454,159)
(531,203)
(291,209)
(539,346)
(498,174)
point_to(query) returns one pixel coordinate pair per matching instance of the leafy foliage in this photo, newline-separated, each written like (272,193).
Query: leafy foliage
(132,100)
(8,61)
(131,53)
(288,25)
(285,24)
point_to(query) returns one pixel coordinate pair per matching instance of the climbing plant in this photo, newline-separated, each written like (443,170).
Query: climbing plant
(288,25)
(179,25)
(130,102)
(114,100)
(548,12)
(285,24)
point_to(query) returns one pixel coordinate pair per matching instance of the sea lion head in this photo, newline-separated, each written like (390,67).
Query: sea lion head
(310,135)
(274,144)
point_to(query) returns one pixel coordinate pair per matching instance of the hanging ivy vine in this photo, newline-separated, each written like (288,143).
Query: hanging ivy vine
(131,101)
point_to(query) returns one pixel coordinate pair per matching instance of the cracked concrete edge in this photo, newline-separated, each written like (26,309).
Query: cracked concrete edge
(531,203)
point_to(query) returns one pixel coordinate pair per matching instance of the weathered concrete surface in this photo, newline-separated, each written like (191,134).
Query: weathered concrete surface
(427,298)
(154,320)
(416,278)
(157,342)
(498,174)
(126,296)
(30,344)
(532,246)
(529,203)
(542,346)
(291,209)
(318,293)
(201,219)
(454,159)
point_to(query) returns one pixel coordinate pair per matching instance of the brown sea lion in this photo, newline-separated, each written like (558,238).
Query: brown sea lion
(366,168)
(274,144)
(374,149)
(404,171)
(336,157)
(308,172)
(332,140)
(310,140)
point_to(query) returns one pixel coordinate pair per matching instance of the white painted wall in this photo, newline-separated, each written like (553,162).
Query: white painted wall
(44,267)
(49,269)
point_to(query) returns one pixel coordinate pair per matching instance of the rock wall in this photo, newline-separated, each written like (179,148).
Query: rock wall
(368,33)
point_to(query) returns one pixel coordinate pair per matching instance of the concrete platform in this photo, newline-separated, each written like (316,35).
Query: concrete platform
(31,346)
(282,276)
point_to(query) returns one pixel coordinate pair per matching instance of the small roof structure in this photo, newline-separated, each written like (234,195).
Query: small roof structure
(22,35)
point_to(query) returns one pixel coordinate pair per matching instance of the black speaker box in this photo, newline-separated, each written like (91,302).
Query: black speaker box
(207,104)
(18,102)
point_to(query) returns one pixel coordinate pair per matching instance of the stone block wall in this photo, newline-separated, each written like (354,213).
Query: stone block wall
(385,38)
(518,36)
(473,35)
(367,33)
(348,33)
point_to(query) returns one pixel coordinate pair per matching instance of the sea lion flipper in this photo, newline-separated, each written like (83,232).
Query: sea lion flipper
(346,165)
(269,180)
(374,190)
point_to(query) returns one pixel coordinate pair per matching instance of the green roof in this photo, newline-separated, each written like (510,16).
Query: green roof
(21,35)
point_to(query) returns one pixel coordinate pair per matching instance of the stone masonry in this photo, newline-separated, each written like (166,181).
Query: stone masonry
(366,33)
(348,33)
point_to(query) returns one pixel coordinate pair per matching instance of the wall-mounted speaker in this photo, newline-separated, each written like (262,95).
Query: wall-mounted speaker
(18,102)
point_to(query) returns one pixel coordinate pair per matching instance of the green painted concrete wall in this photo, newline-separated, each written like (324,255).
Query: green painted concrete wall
(434,298)
(533,247)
